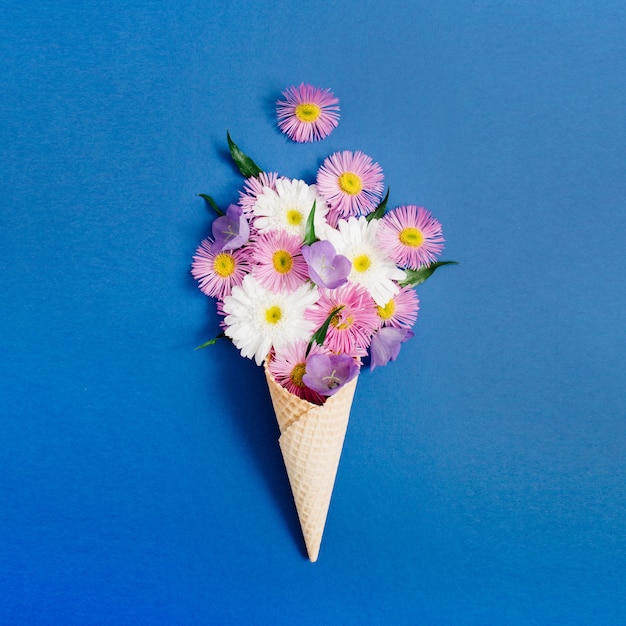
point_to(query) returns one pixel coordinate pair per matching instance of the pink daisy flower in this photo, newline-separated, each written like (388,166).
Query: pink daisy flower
(350,330)
(401,310)
(253,187)
(351,184)
(307,113)
(411,236)
(218,272)
(277,261)
(288,366)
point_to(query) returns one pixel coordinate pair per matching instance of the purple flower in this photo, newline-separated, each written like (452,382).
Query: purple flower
(328,373)
(230,231)
(326,267)
(386,343)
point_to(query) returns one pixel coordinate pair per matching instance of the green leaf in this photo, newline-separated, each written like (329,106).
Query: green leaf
(210,342)
(417,277)
(245,164)
(211,203)
(309,233)
(380,209)
(320,334)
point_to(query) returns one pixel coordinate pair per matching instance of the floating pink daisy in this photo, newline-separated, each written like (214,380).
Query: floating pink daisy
(218,272)
(253,187)
(307,113)
(277,261)
(351,184)
(411,236)
(350,331)
(401,310)
(288,366)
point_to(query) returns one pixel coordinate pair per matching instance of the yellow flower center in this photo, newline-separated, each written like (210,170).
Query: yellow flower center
(386,312)
(294,217)
(308,112)
(297,373)
(411,236)
(283,261)
(350,183)
(361,263)
(340,322)
(224,264)
(273,315)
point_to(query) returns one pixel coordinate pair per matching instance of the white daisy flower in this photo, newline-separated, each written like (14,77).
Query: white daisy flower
(371,267)
(258,319)
(288,207)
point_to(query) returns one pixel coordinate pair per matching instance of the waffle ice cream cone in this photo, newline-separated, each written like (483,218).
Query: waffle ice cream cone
(311,439)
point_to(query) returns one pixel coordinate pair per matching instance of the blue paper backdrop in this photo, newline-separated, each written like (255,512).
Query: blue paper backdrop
(483,477)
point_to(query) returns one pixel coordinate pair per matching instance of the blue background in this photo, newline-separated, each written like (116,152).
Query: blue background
(483,477)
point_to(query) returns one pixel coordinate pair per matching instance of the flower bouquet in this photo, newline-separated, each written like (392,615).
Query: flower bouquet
(313,280)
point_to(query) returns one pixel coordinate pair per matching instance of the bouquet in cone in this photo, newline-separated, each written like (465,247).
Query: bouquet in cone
(312,280)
